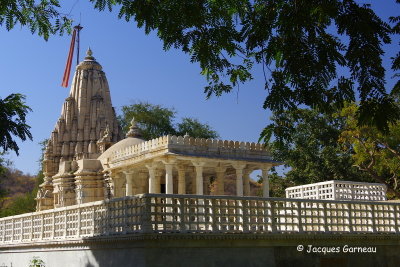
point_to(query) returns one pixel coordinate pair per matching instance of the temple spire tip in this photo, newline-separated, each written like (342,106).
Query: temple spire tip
(89,54)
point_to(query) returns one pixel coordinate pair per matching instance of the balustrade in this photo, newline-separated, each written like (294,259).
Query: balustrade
(160,213)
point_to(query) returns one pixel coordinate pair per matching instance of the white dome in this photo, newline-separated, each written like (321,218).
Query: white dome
(129,141)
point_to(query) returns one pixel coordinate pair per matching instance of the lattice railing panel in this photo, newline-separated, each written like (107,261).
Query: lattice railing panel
(160,213)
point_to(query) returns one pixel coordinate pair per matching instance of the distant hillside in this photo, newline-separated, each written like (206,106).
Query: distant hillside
(15,184)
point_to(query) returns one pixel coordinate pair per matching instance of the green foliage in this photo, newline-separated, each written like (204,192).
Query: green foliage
(304,45)
(17,194)
(3,171)
(40,16)
(12,122)
(36,262)
(155,121)
(19,205)
(195,129)
(308,144)
(277,184)
(18,190)
(375,153)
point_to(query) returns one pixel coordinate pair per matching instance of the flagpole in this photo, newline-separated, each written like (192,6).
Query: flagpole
(67,71)
(78,29)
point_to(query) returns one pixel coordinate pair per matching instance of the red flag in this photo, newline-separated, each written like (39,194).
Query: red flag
(67,70)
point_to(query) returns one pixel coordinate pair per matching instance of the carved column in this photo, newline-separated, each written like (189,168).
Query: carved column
(118,182)
(239,177)
(158,175)
(220,180)
(181,180)
(129,182)
(246,182)
(265,170)
(108,185)
(193,179)
(152,178)
(143,178)
(169,181)
(199,176)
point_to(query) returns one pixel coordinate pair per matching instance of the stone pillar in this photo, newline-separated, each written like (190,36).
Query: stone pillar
(193,179)
(89,181)
(199,176)
(152,178)
(246,182)
(143,182)
(220,180)
(169,181)
(239,177)
(129,182)
(265,181)
(109,192)
(181,180)
(158,175)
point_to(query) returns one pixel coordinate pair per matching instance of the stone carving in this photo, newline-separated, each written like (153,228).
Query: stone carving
(86,128)
(86,160)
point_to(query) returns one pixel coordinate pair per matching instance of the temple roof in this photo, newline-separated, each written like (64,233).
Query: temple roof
(85,115)
(133,137)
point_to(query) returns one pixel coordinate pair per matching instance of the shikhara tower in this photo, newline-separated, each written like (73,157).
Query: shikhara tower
(86,128)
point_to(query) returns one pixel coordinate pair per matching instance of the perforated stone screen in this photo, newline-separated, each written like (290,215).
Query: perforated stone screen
(339,190)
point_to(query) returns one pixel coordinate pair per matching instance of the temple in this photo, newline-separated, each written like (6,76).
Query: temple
(114,200)
(87,159)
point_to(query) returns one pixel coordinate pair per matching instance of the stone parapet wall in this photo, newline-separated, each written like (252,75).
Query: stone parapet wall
(183,214)
(193,147)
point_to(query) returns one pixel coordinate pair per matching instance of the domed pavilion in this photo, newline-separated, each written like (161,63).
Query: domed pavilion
(87,159)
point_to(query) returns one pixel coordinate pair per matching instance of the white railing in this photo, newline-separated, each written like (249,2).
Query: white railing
(190,144)
(339,190)
(160,213)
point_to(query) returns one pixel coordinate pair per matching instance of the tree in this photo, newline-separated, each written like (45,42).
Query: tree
(308,144)
(195,128)
(44,18)
(3,171)
(18,190)
(13,122)
(155,121)
(375,153)
(277,184)
(304,46)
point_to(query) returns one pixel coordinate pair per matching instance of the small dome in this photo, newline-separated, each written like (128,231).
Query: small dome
(133,137)
(129,141)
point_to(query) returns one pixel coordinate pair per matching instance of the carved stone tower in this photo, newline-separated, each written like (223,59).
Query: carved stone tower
(87,126)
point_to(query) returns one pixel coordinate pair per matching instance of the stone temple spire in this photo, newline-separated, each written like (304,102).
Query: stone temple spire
(86,114)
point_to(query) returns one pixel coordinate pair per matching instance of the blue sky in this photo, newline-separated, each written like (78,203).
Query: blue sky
(137,69)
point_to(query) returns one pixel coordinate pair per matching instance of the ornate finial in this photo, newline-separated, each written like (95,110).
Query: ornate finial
(107,131)
(186,135)
(134,130)
(89,54)
(106,135)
